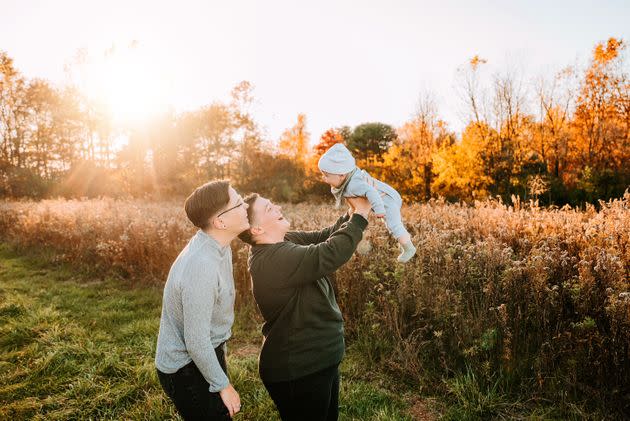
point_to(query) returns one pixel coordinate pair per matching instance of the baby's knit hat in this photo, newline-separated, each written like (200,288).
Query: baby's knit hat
(337,160)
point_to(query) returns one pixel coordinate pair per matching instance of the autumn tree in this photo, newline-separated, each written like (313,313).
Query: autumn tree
(552,141)
(42,102)
(459,167)
(13,114)
(502,127)
(602,123)
(408,163)
(294,141)
(327,140)
(67,128)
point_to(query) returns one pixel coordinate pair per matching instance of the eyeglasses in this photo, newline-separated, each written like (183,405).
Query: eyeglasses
(232,208)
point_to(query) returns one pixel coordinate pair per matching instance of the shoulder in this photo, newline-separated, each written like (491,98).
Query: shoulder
(200,269)
(292,236)
(275,256)
(276,250)
(275,259)
(357,184)
(297,238)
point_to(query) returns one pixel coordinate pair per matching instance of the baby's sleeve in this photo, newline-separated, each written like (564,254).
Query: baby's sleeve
(362,188)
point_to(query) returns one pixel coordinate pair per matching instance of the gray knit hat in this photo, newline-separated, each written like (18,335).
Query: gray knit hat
(337,160)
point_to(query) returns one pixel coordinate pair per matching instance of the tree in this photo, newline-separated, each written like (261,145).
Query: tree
(294,141)
(369,141)
(459,167)
(503,126)
(68,128)
(214,130)
(327,140)
(42,149)
(507,150)
(246,135)
(602,120)
(410,159)
(13,113)
(471,93)
(553,138)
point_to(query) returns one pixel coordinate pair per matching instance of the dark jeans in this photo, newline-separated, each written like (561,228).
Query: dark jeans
(189,392)
(310,398)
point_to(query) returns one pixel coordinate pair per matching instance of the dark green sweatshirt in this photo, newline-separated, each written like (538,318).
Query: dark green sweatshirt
(303,329)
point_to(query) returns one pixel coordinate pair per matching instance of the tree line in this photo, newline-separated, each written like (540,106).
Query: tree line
(561,139)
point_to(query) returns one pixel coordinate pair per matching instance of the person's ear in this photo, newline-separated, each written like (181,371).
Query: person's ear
(256,230)
(217,223)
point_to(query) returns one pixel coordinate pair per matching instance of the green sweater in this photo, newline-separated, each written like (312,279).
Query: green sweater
(303,329)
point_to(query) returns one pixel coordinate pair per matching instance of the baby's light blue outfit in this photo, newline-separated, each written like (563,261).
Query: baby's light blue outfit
(383,198)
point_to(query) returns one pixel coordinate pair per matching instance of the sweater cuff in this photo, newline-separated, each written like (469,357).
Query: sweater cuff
(359,220)
(217,387)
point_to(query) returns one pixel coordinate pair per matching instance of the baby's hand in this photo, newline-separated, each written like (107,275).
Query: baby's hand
(379,215)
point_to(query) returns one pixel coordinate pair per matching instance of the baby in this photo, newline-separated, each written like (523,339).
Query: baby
(347,180)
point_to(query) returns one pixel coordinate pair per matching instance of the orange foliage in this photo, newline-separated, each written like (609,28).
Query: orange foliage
(328,139)
(602,117)
(294,141)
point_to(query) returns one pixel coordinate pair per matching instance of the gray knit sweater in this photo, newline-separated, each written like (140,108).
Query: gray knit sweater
(197,310)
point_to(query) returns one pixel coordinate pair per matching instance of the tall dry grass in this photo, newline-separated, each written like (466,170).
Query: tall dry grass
(533,301)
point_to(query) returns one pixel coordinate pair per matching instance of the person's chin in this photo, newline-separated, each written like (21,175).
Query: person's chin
(283,224)
(245,226)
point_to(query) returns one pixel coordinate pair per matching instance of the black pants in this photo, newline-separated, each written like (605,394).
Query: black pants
(310,398)
(188,390)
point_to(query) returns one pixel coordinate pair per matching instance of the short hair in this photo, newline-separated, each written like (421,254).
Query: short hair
(206,201)
(246,236)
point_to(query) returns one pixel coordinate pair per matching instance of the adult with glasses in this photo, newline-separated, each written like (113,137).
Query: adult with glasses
(198,308)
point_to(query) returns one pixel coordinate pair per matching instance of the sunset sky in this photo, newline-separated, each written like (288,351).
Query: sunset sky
(339,62)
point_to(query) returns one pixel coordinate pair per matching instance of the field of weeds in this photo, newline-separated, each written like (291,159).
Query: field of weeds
(503,307)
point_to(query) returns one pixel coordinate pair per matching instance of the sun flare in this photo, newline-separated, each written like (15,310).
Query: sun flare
(129,84)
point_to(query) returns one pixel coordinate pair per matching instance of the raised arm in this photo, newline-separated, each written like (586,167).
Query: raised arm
(375,199)
(301,264)
(361,188)
(315,237)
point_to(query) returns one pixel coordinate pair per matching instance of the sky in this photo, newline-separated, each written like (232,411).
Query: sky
(339,62)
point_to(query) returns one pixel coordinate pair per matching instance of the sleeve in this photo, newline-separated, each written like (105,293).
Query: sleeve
(198,296)
(315,237)
(375,200)
(304,264)
(364,189)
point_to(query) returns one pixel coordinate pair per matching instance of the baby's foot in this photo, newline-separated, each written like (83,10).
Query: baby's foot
(408,251)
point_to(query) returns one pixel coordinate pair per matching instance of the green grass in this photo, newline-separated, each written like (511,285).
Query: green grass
(78,345)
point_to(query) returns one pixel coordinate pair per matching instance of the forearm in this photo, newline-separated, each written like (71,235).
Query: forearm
(375,200)
(198,297)
(341,245)
(206,360)
(316,237)
(330,255)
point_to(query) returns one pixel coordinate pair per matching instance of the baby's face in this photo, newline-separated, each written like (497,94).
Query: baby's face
(335,180)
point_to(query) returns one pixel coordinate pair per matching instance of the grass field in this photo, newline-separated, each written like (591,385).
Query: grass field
(75,345)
